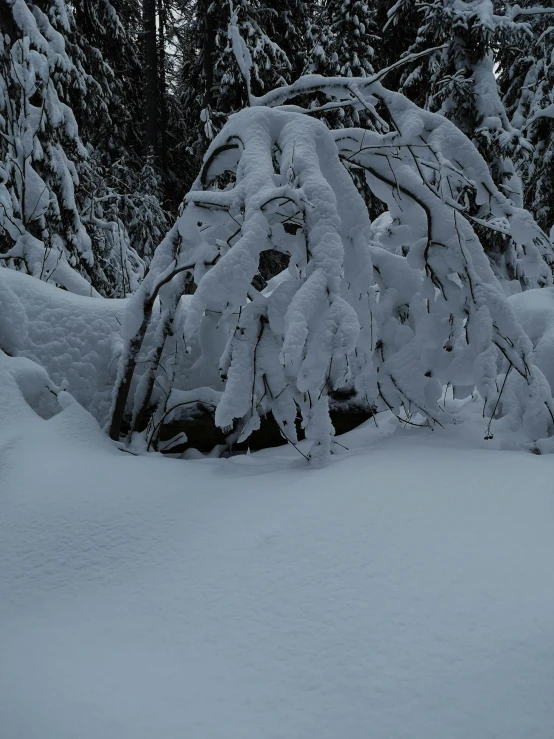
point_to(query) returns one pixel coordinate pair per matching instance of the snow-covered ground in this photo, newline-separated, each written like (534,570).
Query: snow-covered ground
(405,591)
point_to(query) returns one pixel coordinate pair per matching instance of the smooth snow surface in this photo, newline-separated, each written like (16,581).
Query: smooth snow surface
(405,591)
(76,339)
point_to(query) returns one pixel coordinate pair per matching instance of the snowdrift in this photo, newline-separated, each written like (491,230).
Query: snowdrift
(75,339)
(404,591)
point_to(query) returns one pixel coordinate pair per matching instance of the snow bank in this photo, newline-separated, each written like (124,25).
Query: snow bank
(74,338)
(404,591)
(535,312)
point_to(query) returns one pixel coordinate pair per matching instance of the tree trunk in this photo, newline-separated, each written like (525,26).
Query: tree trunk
(162,93)
(150,77)
(208,53)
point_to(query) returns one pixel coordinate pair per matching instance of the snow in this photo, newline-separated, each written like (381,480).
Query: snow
(400,586)
(404,591)
(535,311)
(76,339)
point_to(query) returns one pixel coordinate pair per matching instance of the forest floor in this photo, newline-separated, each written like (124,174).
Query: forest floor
(405,591)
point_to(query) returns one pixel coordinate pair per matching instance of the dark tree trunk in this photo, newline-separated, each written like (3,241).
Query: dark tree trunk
(162,92)
(150,77)
(208,53)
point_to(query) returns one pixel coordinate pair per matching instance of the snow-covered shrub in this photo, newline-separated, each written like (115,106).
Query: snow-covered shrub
(393,326)
(526,79)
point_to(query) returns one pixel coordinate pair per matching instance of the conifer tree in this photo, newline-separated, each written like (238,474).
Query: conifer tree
(120,180)
(111,116)
(459,81)
(212,83)
(526,82)
(40,149)
(58,218)
(398,24)
(347,36)
(288,23)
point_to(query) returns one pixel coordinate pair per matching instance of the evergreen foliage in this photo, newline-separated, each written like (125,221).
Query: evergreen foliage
(527,85)
(213,84)
(460,82)
(70,149)
(40,147)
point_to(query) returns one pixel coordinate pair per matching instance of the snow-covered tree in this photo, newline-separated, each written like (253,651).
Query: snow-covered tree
(398,23)
(401,313)
(345,37)
(104,42)
(146,221)
(60,215)
(119,175)
(288,22)
(526,82)
(460,81)
(391,322)
(213,82)
(40,225)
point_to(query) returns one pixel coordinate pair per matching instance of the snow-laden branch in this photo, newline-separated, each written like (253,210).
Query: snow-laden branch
(390,322)
(349,88)
(514,11)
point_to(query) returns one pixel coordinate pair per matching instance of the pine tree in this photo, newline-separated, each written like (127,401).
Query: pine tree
(398,22)
(527,86)
(146,221)
(343,35)
(40,148)
(151,79)
(118,178)
(110,118)
(58,212)
(345,43)
(460,80)
(213,85)
(288,22)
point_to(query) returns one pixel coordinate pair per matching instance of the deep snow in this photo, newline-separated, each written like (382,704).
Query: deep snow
(403,592)
(76,339)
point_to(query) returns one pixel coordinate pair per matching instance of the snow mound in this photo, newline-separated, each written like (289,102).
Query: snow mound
(535,312)
(75,339)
